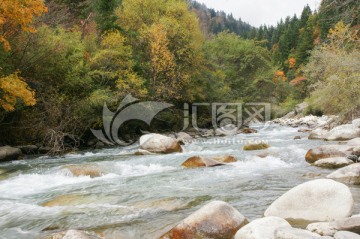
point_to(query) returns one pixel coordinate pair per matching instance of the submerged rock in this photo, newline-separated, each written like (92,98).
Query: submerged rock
(28,149)
(8,153)
(143,152)
(258,146)
(333,163)
(69,200)
(157,143)
(328,151)
(248,131)
(215,220)
(73,234)
(317,200)
(343,132)
(349,174)
(85,170)
(263,228)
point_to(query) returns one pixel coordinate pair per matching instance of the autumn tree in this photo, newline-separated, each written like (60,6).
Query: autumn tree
(18,15)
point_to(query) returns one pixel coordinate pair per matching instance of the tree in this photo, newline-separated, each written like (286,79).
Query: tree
(18,15)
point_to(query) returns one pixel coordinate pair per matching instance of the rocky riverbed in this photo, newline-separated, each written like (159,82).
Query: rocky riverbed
(272,182)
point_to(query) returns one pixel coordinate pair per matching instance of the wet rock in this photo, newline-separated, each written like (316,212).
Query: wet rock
(85,170)
(317,200)
(333,163)
(256,146)
(73,234)
(304,130)
(157,143)
(263,228)
(215,220)
(99,145)
(294,233)
(184,137)
(297,137)
(354,142)
(311,175)
(143,152)
(353,158)
(248,131)
(28,149)
(199,161)
(318,134)
(343,132)
(328,151)
(346,235)
(349,174)
(8,153)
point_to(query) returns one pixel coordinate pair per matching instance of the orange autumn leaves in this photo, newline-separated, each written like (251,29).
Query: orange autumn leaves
(279,74)
(16,15)
(12,88)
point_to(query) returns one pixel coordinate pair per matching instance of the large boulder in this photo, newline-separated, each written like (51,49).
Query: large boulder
(215,220)
(294,233)
(199,161)
(157,143)
(328,151)
(317,200)
(85,170)
(346,235)
(263,228)
(349,174)
(343,132)
(333,163)
(318,133)
(73,234)
(8,153)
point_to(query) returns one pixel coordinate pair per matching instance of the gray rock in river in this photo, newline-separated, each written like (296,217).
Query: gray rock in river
(318,133)
(8,153)
(215,220)
(317,200)
(343,132)
(263,228)
(157,143)
(349,174)
(333,163)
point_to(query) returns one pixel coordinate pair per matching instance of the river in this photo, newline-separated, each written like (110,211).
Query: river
(144,196)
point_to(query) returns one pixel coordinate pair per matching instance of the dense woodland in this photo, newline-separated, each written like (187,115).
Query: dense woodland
(60,60)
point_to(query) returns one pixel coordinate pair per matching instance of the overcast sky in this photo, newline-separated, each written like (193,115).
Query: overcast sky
(257,12)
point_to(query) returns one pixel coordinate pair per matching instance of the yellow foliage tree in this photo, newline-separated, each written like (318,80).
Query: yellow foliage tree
(163,67)
(18,14)
(13,88)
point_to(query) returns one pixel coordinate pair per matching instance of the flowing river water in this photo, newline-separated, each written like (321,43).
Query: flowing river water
(144,196)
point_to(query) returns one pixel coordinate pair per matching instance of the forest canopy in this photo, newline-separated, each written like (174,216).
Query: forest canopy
(62,60)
